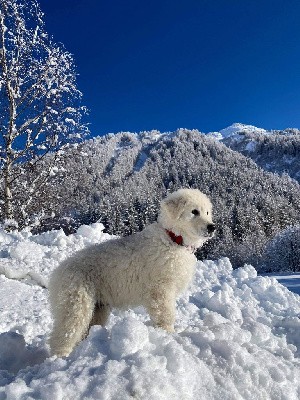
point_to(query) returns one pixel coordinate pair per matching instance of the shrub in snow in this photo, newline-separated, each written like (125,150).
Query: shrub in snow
(283,252)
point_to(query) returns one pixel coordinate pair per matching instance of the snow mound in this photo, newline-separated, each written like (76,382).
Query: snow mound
(24,255)
(22,356)
(237,336)
(127,337)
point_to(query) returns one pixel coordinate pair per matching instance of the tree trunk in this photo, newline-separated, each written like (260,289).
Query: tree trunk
(8,209)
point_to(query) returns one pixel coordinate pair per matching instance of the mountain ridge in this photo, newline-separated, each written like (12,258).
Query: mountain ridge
(120,179)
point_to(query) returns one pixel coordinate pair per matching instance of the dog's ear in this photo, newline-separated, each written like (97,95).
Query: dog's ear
(174,205)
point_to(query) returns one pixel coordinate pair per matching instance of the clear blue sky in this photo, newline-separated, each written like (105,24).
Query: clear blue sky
(165,64)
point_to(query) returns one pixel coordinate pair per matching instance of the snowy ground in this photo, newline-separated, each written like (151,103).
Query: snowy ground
(237,335)
(291,281)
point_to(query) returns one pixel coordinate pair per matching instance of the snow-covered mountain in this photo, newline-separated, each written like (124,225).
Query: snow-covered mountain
(236,129)
(120,179)
(275,151)
(237,335)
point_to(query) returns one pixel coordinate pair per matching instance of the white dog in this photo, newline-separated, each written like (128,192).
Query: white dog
(149,268)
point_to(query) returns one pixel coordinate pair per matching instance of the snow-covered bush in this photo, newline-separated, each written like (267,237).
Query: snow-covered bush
(283,251)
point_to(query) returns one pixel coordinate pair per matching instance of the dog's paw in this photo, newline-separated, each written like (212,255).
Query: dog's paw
(168,328)
(61,352)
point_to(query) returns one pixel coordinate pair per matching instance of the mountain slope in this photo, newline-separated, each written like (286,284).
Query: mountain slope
(121,178)
(275,151)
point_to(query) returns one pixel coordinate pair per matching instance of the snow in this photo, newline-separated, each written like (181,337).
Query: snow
(141,160)
(237,334)
(291,281)
(235,129)
(215,135)
(238,127)
(154,135)
(250,146)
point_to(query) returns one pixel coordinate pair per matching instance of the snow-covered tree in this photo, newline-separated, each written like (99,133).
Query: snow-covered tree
(283,251)
(40,105)
(276,151)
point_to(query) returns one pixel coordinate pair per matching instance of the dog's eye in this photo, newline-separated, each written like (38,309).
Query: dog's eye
(195,212)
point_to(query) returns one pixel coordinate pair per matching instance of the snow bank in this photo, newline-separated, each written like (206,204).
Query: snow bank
(291,281)
(25,256)
(237,335)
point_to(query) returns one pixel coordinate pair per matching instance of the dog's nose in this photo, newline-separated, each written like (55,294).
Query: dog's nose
(211,228)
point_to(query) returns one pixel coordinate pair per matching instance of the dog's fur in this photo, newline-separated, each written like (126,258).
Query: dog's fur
(147,268)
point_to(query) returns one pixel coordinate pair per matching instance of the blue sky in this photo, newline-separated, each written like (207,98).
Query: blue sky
(167,64)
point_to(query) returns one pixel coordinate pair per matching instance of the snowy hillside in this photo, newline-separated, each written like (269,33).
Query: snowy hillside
(120,180)
(237,335)
(275,151)
(238,127)
(235,129)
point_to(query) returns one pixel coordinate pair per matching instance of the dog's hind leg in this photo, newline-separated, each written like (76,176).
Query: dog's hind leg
(72,312)
(100,315)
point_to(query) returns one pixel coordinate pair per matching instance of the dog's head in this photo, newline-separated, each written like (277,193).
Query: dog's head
(188,213)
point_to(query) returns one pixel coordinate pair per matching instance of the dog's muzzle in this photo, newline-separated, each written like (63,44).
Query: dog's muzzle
(211,229)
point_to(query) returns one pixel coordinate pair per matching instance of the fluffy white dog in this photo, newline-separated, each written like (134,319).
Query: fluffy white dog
(149,268)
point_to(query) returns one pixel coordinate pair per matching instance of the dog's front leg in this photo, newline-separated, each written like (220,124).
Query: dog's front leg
(161,307)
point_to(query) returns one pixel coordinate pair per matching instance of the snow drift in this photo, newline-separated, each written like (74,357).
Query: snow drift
(237,335)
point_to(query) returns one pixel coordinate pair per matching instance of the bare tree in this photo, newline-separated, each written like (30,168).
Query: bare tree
(40,107)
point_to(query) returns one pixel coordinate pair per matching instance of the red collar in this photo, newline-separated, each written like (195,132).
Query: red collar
(179,240)
(176,239)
